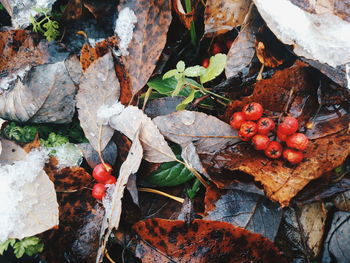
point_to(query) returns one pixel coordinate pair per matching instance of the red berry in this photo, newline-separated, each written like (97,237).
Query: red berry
(260,142)
(229,43)
(243,138)
(237,119)
(100,173)
(253,111)
(111,180)
(281,136)
(297,141)
(215,49)
(205,62)
(248,129)
(293,156)
(288,126)
(273,150)
(265,125)
(99,191)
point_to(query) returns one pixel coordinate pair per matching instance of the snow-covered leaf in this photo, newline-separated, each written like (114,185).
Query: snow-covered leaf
(28,203)
(154,145)
(113,200)
(99,86)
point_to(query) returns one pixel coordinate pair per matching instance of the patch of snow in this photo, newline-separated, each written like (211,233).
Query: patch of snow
(9,81)
(68,155)
(323,37)
(16,179)
(347,72)
(105,112)
(124,29)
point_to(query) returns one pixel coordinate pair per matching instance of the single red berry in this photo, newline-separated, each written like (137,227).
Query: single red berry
(205,62)
(229,43)
(110,180)
(288,126)
(253,111)
(101,172)
(216,48)
(237,119)
(248,129)
(281,136)
(260,142)
(265,125)
(243,138)
(273,150)
(99,191)
(293,156)
(297,141)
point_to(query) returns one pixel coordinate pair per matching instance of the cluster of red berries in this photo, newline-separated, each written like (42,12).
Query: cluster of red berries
(253,127)
(103,175)
(216,48)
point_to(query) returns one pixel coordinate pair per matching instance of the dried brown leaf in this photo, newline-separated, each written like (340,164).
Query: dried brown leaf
(98,86)
(342,201)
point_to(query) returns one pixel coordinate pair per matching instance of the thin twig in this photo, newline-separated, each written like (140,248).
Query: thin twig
(154,191)
(205,136)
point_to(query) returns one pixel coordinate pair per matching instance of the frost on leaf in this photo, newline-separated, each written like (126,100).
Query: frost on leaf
(28,203)
(124,28)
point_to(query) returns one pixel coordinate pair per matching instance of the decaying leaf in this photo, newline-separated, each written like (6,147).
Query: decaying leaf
(325,39)
(153,143)
(28,198)
(36,85)
(185,17)
(223,15)
(342,201)
(302,230)
(184,127)
(247,210)
(163,240)
(73,10)
(113,203)
(336,246)
(148,39)
(99,86)
(242,50)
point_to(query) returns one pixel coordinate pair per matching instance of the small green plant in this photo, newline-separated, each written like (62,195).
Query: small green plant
(45,24)
(2,7)
(54,140)
(180,81)
(29,246)
(20,134)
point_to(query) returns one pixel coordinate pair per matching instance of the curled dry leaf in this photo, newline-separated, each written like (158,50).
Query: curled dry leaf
(342,201)
(336,245)
(242,50)
(114,201)
(163,240)
(186,18)
(221,16)
(148,40)
(99,86)
(184,127)
(247,210)
(153,143)
(302,230)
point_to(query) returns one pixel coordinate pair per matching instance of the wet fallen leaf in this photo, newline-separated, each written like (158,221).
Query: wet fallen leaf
(162,240)
(221,16)
(73,10)
(342,201)
(242,50)
(153,143)
(148,41)
(162,106)
(100,9)
(337,242)
(247,210)
(99,86)
(114,201)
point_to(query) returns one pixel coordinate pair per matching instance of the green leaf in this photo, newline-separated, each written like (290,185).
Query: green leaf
(5,245)
(180,66)
(178,88)
(54,140)
(163,86)
(171,173)
(194,189)
(216,67)
(29,246)
(186,101)
(195,71)
(169,74)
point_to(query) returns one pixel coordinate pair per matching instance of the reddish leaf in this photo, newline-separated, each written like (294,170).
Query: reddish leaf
(163,240)
(186,18)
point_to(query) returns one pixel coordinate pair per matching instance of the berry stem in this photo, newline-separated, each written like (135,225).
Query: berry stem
(154,191)
(99,149)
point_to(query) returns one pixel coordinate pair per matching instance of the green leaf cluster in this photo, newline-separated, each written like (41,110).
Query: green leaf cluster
(179,81)
(29,246)
(54,140)
(45,25)
(20,134)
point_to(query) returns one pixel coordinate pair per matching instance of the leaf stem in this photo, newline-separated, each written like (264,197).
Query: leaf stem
(154,191)
(193,27)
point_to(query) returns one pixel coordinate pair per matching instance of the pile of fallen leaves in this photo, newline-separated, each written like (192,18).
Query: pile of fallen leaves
(150,87)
